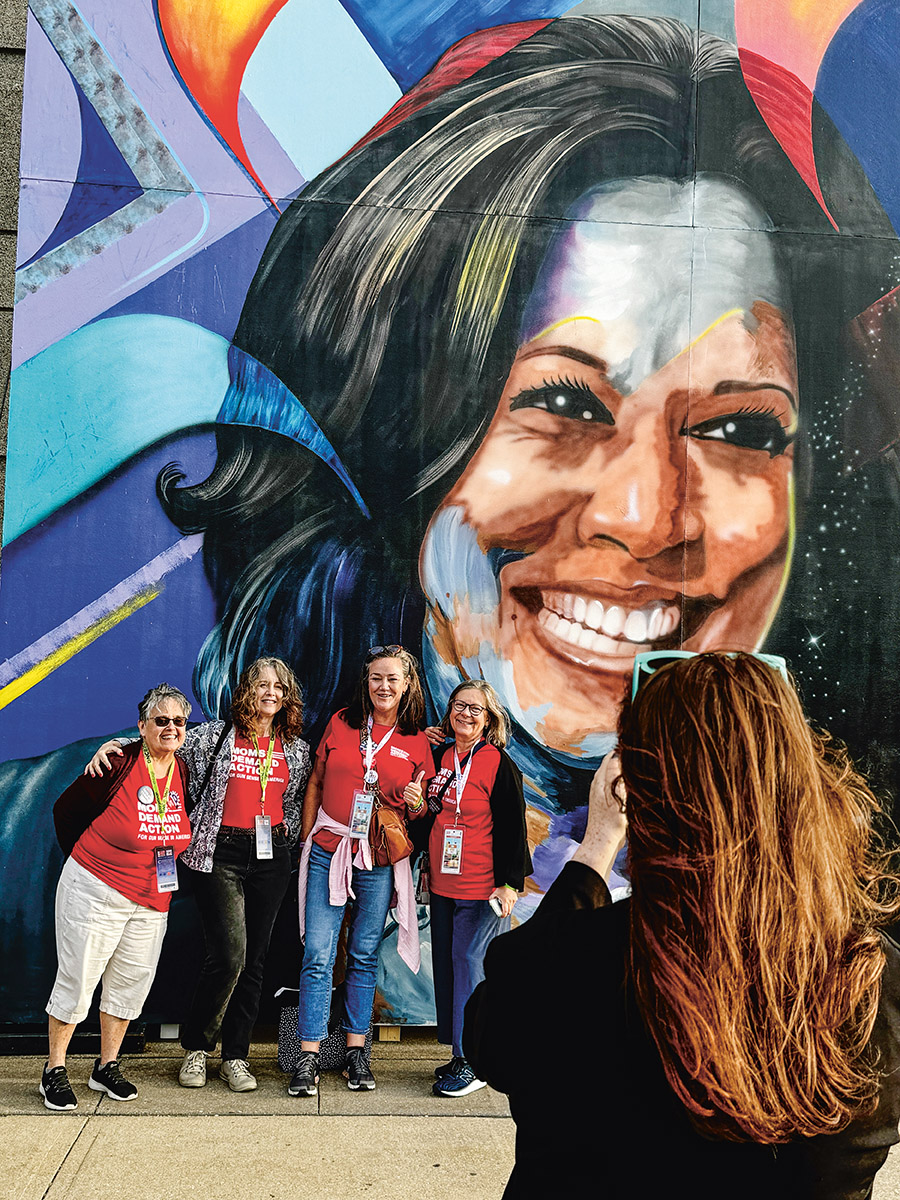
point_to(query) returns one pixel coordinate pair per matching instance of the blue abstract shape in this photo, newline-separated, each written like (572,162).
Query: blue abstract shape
(207,288)
(259,399)
(409,38)
(859,87)
(314,60)
(101,163)
(91,401)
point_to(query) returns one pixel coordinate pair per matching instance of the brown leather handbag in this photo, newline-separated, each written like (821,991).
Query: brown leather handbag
(387,835)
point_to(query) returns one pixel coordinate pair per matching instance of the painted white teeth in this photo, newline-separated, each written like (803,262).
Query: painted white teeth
(614,621)
(636,627)
(594,615)
(587,624)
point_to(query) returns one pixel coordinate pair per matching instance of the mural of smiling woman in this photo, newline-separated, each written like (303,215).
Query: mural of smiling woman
(556,324)
(639,461)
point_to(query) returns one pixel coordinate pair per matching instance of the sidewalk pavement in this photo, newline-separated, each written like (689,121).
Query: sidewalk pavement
(174,1143)
(396,1143)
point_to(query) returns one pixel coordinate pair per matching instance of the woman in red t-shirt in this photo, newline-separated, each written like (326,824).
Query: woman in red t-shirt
(371,751)
(122,834)
(478,859)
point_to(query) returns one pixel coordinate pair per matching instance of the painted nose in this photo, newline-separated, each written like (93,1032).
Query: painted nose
(639,496)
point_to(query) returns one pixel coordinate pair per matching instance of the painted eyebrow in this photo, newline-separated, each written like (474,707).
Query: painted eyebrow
(729,386)
(580,356)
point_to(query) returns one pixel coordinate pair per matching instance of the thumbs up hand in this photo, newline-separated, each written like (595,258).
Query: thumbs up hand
(412,794)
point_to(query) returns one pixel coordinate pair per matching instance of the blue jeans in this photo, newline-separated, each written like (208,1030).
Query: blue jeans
(461,931)
(373,890)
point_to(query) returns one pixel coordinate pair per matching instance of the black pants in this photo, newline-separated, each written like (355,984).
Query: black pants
(238,902)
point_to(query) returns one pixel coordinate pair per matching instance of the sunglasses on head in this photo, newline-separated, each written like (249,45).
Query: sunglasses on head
(383,651)
(646,664)
(162,722)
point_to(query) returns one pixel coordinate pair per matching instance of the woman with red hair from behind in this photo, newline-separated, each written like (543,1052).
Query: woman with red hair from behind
(739,1014)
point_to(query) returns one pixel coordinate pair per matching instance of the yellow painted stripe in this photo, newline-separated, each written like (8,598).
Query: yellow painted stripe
(75,645)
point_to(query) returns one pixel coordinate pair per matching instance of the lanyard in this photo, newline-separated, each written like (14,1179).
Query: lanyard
(369,752)
(162,802)
(462,777)
(264,767)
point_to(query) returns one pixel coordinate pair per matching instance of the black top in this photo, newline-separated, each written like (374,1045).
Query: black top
(554,1026)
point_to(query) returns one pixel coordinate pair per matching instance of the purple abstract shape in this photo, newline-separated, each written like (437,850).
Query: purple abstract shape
(105,182)
(51,148)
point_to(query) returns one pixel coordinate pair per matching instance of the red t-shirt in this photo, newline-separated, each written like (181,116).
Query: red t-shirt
(117,847)
(243,791)
(476,878)
(398,762)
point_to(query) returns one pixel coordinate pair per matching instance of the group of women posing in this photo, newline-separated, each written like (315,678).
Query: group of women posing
(251,795)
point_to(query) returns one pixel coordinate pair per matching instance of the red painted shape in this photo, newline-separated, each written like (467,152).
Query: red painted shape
(786,107)
(460,62)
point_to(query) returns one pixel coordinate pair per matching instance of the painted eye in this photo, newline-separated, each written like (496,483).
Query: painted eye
(751,431)
(564,398)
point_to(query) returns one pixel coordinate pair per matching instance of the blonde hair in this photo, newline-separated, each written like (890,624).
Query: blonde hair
(496,729)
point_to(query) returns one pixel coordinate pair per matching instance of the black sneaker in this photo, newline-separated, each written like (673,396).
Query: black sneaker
(306,1076)
(56,1090)
(359,1077)
(447,1069)
(460,1083)
(110,1079)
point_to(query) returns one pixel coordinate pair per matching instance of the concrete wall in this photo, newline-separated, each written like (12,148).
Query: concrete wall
(12,71)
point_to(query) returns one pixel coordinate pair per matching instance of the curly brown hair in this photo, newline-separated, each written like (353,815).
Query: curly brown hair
(496,729)
(288,720)
(758,886)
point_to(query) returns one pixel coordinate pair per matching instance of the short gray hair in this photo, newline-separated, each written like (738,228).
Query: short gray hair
(156,695)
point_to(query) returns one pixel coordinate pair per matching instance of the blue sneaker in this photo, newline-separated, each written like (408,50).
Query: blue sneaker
(462,1081)
(447,1069)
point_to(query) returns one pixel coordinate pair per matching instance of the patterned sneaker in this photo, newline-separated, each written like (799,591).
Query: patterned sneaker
(460,1083)
(237,1074)
(56,1090)
(447,1069)
(110,1079)
(306,1076)
(193,1069)
(357,1073)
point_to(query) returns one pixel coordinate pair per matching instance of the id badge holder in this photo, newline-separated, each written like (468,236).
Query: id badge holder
(263,824)
(451,852)
(164,862)
(361,814)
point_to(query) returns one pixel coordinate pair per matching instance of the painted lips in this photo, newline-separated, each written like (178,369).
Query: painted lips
(606,629)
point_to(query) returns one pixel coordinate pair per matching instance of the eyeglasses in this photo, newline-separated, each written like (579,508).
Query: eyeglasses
(384,651)
(646,664)
(162,722)
(459,706)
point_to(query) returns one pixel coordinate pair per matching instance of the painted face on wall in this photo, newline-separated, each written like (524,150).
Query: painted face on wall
(633,491)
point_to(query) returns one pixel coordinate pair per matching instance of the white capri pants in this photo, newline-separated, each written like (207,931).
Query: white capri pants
(102,935)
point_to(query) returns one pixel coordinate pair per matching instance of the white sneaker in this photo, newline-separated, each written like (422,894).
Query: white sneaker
(236,1073)
(193,1069)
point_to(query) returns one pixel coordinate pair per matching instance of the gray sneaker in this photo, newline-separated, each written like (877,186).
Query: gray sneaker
(193,1069)
(236,1073)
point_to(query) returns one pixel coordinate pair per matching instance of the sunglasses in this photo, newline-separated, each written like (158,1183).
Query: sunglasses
(646,664)
(162,722)
(383,651)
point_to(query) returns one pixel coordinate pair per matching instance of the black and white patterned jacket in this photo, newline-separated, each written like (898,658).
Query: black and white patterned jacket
(206,816)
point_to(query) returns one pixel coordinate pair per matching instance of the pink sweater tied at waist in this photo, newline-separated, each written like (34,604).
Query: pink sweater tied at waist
(340,879)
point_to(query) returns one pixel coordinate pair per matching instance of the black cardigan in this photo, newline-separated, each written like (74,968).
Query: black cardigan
(509,842)
(554,1025)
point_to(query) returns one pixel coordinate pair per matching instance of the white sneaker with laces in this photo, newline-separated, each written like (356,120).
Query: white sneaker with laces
(237,1074)
(193,1069)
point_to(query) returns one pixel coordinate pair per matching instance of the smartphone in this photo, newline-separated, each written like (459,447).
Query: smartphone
(495,904)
